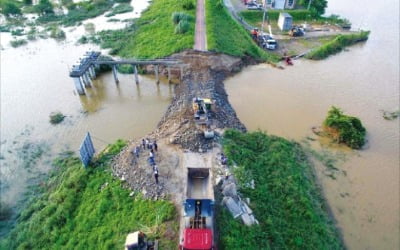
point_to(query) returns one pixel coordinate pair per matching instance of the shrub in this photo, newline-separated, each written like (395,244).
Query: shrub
(345,129)
(56,118)
(17,32)
(179,16)
(57,33)
(182,27)
(18,42)
(9,9)
(188,5)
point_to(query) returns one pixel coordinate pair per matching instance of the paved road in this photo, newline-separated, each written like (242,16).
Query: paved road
(200,39)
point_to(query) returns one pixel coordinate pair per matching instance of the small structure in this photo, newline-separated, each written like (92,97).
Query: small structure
(285,21)
(280,4)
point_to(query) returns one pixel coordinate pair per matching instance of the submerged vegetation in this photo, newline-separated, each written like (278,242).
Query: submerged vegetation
(87,208)
(344,129)
(337,45)
(56,117)
(286,200)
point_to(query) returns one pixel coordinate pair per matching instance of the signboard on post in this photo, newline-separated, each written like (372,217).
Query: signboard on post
(86,150)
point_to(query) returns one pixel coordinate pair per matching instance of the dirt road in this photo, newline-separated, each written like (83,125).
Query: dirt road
(200,39)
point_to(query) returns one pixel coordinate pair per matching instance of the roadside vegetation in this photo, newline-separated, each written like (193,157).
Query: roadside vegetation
(286,200)
(337,45)
(87,208)
(344,129)
(225,35)
(299,16)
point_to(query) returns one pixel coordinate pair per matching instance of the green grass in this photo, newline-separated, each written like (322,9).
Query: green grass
(337,45)
(255,17)
(154,33)
(88,209)
(225,35)
(286,200)
(299,16)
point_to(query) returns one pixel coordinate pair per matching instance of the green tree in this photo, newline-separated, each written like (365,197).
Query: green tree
(316,6)
(10,9)
(28,2)
(44,7)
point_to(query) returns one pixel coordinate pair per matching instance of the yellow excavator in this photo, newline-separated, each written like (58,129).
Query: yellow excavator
(201,110)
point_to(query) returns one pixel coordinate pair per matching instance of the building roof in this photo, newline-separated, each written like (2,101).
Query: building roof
(285,14)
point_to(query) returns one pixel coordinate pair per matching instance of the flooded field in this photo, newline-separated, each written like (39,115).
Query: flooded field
(35,82)
(363,81)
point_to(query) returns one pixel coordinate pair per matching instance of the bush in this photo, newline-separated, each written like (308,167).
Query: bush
(57,33)
(345,129)
(188,5)
(18,42)
(17,32)
(180,16)
(9,9)
(56,118)
(182,27)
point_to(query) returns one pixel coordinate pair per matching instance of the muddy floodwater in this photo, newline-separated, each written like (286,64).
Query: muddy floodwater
(35,82)
(364,193)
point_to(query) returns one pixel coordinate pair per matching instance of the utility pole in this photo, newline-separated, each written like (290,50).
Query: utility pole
(309,4)
(265,12)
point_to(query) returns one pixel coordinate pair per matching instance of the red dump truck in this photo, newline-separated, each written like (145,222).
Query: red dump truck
(198,210)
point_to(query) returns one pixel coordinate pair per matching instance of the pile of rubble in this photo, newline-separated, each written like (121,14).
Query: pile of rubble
(137,173)
(238,207)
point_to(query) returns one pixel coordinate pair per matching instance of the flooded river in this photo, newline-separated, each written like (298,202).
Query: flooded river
(362,81)
(35,82)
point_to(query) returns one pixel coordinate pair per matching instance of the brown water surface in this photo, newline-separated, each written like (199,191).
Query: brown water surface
(362,81)
(35,82)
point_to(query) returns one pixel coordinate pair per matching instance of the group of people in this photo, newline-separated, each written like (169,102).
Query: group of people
(153,147)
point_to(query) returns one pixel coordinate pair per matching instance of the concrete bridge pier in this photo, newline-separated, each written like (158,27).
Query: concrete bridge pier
(114,70)
(169,74)
(92,72)
(156,72)
(136,74)
(87,80)
(181,76)
(79,85)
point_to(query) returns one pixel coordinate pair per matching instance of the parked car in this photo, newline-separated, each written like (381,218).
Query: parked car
(254,6)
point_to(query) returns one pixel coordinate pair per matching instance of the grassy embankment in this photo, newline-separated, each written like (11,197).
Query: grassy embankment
(154,34)
(88,208)
(225,35)
(286,199)
(337,45)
